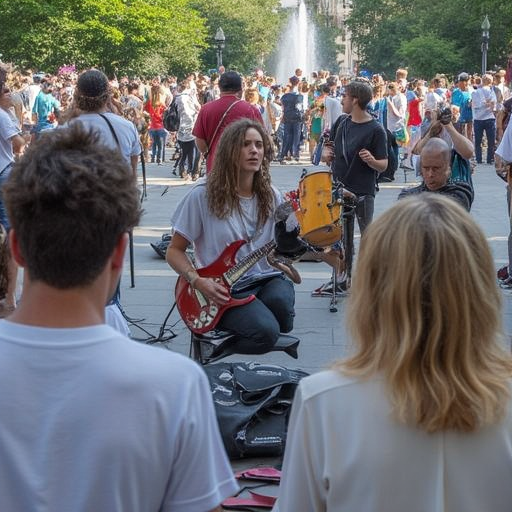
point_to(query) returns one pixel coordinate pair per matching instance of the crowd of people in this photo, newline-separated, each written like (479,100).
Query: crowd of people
(420,413)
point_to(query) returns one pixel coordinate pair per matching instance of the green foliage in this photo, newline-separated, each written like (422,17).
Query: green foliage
(139,36)
(429,55)
(327,48)
(251,29)
(392,33)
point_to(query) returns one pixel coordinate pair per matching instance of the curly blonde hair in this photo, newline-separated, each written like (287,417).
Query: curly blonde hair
(425,313)
(222,183)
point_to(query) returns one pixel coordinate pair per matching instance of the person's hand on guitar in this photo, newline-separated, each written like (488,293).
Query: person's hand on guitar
(212,290)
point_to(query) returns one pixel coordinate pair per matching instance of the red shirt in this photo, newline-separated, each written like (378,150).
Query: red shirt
(210,116)
(414,113)
(156,114)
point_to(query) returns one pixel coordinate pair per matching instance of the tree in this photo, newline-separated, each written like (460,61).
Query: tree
(427,55)
(387,33)
(139,36)
(251,29)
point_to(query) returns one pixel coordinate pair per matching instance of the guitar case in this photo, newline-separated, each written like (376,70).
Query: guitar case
(253,403)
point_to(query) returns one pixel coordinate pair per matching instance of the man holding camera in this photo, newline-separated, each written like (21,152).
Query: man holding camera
(435,163)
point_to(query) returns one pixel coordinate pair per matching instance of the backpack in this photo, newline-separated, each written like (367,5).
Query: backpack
(171,118)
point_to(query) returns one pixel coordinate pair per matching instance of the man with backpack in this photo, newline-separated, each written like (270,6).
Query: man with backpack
(187,108)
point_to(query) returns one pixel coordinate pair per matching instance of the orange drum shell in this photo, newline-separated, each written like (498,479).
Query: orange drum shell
(320,224)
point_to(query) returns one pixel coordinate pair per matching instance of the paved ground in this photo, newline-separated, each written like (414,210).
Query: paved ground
(322,334)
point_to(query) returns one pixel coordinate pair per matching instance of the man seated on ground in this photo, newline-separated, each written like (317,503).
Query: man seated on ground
(89,420)
(435,160)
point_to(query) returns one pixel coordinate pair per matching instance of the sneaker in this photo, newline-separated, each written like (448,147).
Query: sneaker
(283,162)
(326,289)
(502,273)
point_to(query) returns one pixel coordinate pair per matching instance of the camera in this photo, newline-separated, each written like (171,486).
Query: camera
(444,114)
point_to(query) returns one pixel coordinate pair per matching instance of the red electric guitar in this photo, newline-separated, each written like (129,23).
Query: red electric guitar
(197,311)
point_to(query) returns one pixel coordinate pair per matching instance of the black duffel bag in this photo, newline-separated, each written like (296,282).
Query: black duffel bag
(253,403)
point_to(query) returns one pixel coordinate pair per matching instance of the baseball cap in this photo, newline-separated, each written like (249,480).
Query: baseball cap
(463,77)
(294,80)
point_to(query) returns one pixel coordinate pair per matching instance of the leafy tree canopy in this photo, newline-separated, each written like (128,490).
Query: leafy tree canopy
(137,36)
(429,36)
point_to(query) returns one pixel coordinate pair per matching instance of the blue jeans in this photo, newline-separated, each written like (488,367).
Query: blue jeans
(291,140)
(190,156)
(489,127)
(4,175)
(259,323)
(158,138)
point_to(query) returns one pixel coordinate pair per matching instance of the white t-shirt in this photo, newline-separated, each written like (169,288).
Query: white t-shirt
(504,150)
(125,130)
(211,235)
(346,452)
(395,122)
(8,130)
(481,111)
(332,111)
(91,421)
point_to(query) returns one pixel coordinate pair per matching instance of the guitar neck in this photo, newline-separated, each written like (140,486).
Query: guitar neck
(238,270)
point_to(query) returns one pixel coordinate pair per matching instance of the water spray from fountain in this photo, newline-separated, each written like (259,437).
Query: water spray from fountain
(297,47)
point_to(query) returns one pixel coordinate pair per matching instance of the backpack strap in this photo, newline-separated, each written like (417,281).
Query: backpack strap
(112,131)
(220,123)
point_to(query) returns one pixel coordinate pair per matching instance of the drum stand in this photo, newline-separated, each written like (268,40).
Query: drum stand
(347,219)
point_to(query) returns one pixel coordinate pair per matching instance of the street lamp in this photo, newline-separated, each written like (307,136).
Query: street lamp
(220,40)
(485,42)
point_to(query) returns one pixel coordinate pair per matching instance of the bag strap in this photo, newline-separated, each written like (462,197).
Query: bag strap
(112,131)
(342,125)
(221,121)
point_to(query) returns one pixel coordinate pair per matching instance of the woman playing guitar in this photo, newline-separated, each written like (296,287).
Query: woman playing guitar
(237,202)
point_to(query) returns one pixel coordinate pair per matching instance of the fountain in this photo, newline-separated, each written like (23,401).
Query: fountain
(297,48)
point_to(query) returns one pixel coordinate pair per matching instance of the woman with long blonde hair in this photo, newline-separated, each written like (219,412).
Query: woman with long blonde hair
(236,202)
(419,416)
(155,107)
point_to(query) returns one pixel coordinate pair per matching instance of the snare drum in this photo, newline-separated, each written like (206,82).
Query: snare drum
(319,218)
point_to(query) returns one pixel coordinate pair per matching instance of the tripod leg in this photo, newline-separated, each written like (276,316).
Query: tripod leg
(348,244)
(132,262)
(334,300)
(144,181)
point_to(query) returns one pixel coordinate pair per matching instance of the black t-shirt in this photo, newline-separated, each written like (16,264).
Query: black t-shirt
(349,138)
(293,110)
(461,191)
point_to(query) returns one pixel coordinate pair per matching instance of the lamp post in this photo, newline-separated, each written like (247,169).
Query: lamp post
(485,42)
(220,40)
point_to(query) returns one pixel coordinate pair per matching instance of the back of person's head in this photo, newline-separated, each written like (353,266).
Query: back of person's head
(361,90)
(487,79)
(92,90)
(294,81)
(70,199)
(425,312)
(251,95)
(230,81)
(401,73)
